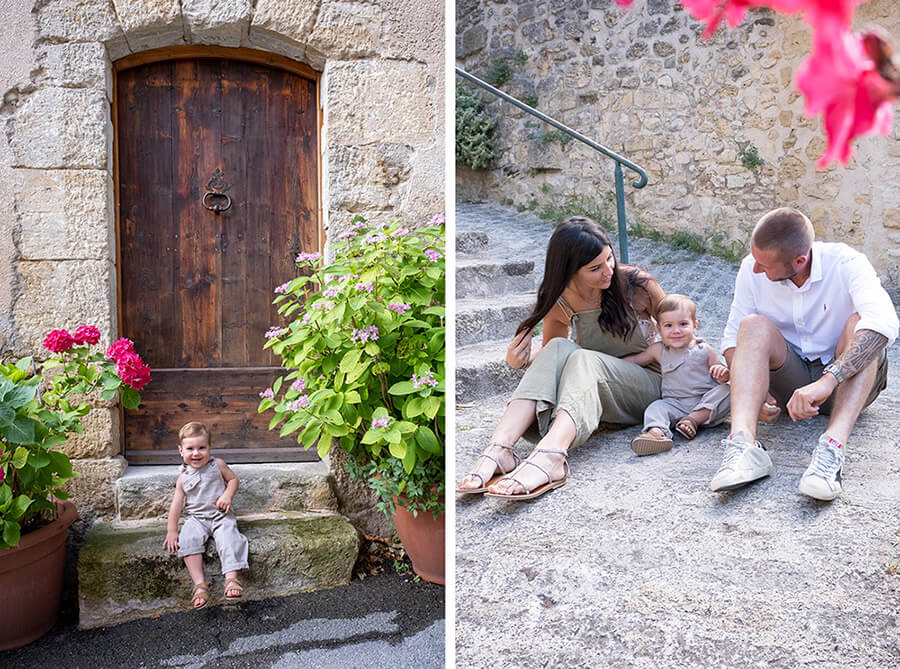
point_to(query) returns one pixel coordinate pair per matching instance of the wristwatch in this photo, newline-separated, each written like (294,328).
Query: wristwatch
(835,370)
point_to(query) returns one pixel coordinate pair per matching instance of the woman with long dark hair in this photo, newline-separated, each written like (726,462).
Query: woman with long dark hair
(570,387)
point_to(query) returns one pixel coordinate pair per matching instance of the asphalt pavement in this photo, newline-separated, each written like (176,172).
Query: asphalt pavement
(382,620)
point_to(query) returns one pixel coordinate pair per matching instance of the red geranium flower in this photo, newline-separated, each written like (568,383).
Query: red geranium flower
(58,341)
(119,348)
(132,370)
(86,334)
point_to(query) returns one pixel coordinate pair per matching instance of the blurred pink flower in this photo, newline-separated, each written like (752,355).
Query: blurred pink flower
(119,348)
(86,334)
(132,370)
(267,394)
(58,341)
(432,255)
(840,81)
(711,12)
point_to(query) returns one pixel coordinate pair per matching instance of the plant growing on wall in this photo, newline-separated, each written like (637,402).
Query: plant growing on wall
(751,159)
(33,423)
(474,130)
(364,350)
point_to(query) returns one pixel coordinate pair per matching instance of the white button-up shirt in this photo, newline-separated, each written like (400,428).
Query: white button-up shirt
(811,317)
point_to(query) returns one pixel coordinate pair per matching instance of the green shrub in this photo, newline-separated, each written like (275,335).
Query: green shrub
(474,131)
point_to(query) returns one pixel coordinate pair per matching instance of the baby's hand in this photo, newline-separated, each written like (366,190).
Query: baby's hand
(171,542)
(224,503)
(719,373)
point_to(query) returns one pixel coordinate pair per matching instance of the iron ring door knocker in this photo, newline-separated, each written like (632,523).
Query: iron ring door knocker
(216,193)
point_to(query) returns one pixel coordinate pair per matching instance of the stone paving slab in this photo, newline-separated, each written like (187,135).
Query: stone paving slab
(636,563)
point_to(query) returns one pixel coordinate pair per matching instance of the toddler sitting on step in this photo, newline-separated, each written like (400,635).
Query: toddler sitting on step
(204,490)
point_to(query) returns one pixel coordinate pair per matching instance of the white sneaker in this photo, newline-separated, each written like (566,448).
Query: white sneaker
(822,479)
(741,464)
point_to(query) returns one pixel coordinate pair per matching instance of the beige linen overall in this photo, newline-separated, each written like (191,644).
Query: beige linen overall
(587,379)
(203,519)
(686,387)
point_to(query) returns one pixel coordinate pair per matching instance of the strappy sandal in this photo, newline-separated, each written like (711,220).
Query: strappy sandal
(648,443)
(497,465)
(233,584)
(687,427)
(200,591)
(544,487)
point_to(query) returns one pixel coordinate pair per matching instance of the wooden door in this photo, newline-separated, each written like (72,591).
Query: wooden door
(196,284)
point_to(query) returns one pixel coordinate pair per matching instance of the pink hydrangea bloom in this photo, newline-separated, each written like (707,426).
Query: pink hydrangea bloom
(399,307)
(400,232)
(349,234)
(58,341)
(331,291)
(374,238)
(840,81)
(440,219)
(367,287)
(299,385)
(132,370)
(282,289)
(359,225)
(386,421)
(119,348)
(308,257)
(432,254)
(267,394)
(275,331)
(427,379)
(365,334)
(300,403)
(86,334)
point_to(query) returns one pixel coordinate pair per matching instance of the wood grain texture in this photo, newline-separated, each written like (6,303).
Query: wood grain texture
(196,286)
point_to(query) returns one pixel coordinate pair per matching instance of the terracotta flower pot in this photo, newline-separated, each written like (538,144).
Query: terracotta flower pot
(423,539)
(31,580)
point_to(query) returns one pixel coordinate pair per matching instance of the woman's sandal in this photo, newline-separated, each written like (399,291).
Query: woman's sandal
(647,443)
(544,487)
(497,465)
(200,592)
(233,584)
(687,427)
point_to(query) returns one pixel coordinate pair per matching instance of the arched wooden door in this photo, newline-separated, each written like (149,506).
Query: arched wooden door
(195,133)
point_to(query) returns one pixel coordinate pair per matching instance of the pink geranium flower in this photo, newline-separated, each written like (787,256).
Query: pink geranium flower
(119,348)
(711,12)
(840,80)
(86,334)
(132,370)
(58,341)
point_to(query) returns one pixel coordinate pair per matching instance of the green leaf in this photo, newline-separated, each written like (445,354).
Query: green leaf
(414,406)
(61,464)
(277,385)
(109,394)
(352,397)
(24,364)
(409,460)
(398,449)
(19,506)
(393,436)
(11,533)
(20,396)
(20,457)
(311,434)
(7,414)
(323,447)
(350,360)
(428,441)
(39,460)
(432,406)
(130,397)
(5,496)
(402,388)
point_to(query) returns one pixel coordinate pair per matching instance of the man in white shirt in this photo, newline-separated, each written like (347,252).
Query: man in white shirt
(808,329)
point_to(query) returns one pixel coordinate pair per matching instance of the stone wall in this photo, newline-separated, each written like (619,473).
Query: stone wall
(643,82)
(382,68)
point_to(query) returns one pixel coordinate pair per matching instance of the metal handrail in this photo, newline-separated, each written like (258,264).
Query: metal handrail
(620,160)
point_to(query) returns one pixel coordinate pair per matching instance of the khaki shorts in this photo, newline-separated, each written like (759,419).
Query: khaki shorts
(797,372)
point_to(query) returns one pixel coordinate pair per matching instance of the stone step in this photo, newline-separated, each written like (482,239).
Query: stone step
(124,573)
(491,318)
(146,491)
(481,371)
(471,243)
(481,278)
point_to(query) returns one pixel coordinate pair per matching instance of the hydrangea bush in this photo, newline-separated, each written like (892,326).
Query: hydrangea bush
(363,347)
(37,416)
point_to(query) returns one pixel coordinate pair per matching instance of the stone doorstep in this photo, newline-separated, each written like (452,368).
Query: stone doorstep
(481,371)
(478,320)
(480,278)
(124,573)
(472,243)
(146,491)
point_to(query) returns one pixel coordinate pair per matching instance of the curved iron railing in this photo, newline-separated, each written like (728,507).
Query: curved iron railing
(620,160)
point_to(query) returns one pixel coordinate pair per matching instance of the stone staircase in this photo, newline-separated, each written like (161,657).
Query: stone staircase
(288,512)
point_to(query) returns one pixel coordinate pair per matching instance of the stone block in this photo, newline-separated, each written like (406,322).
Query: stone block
(76,65)
(63,294)
(62,128)
(417,35)
(93,490)
(77,21)
(65,214)
(146,491)
(125,574)
(891,218)
(474,39)
(150,24)
(345,30)
(366,177)
(224,23)
(293,20)
(373,100)
(356,500)
(100,438)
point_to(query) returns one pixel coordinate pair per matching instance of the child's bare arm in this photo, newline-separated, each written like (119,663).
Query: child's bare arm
(231,486)
(650,354)
(717,368)
(171,541)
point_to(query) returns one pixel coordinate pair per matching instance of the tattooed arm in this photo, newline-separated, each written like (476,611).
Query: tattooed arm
(864,348)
